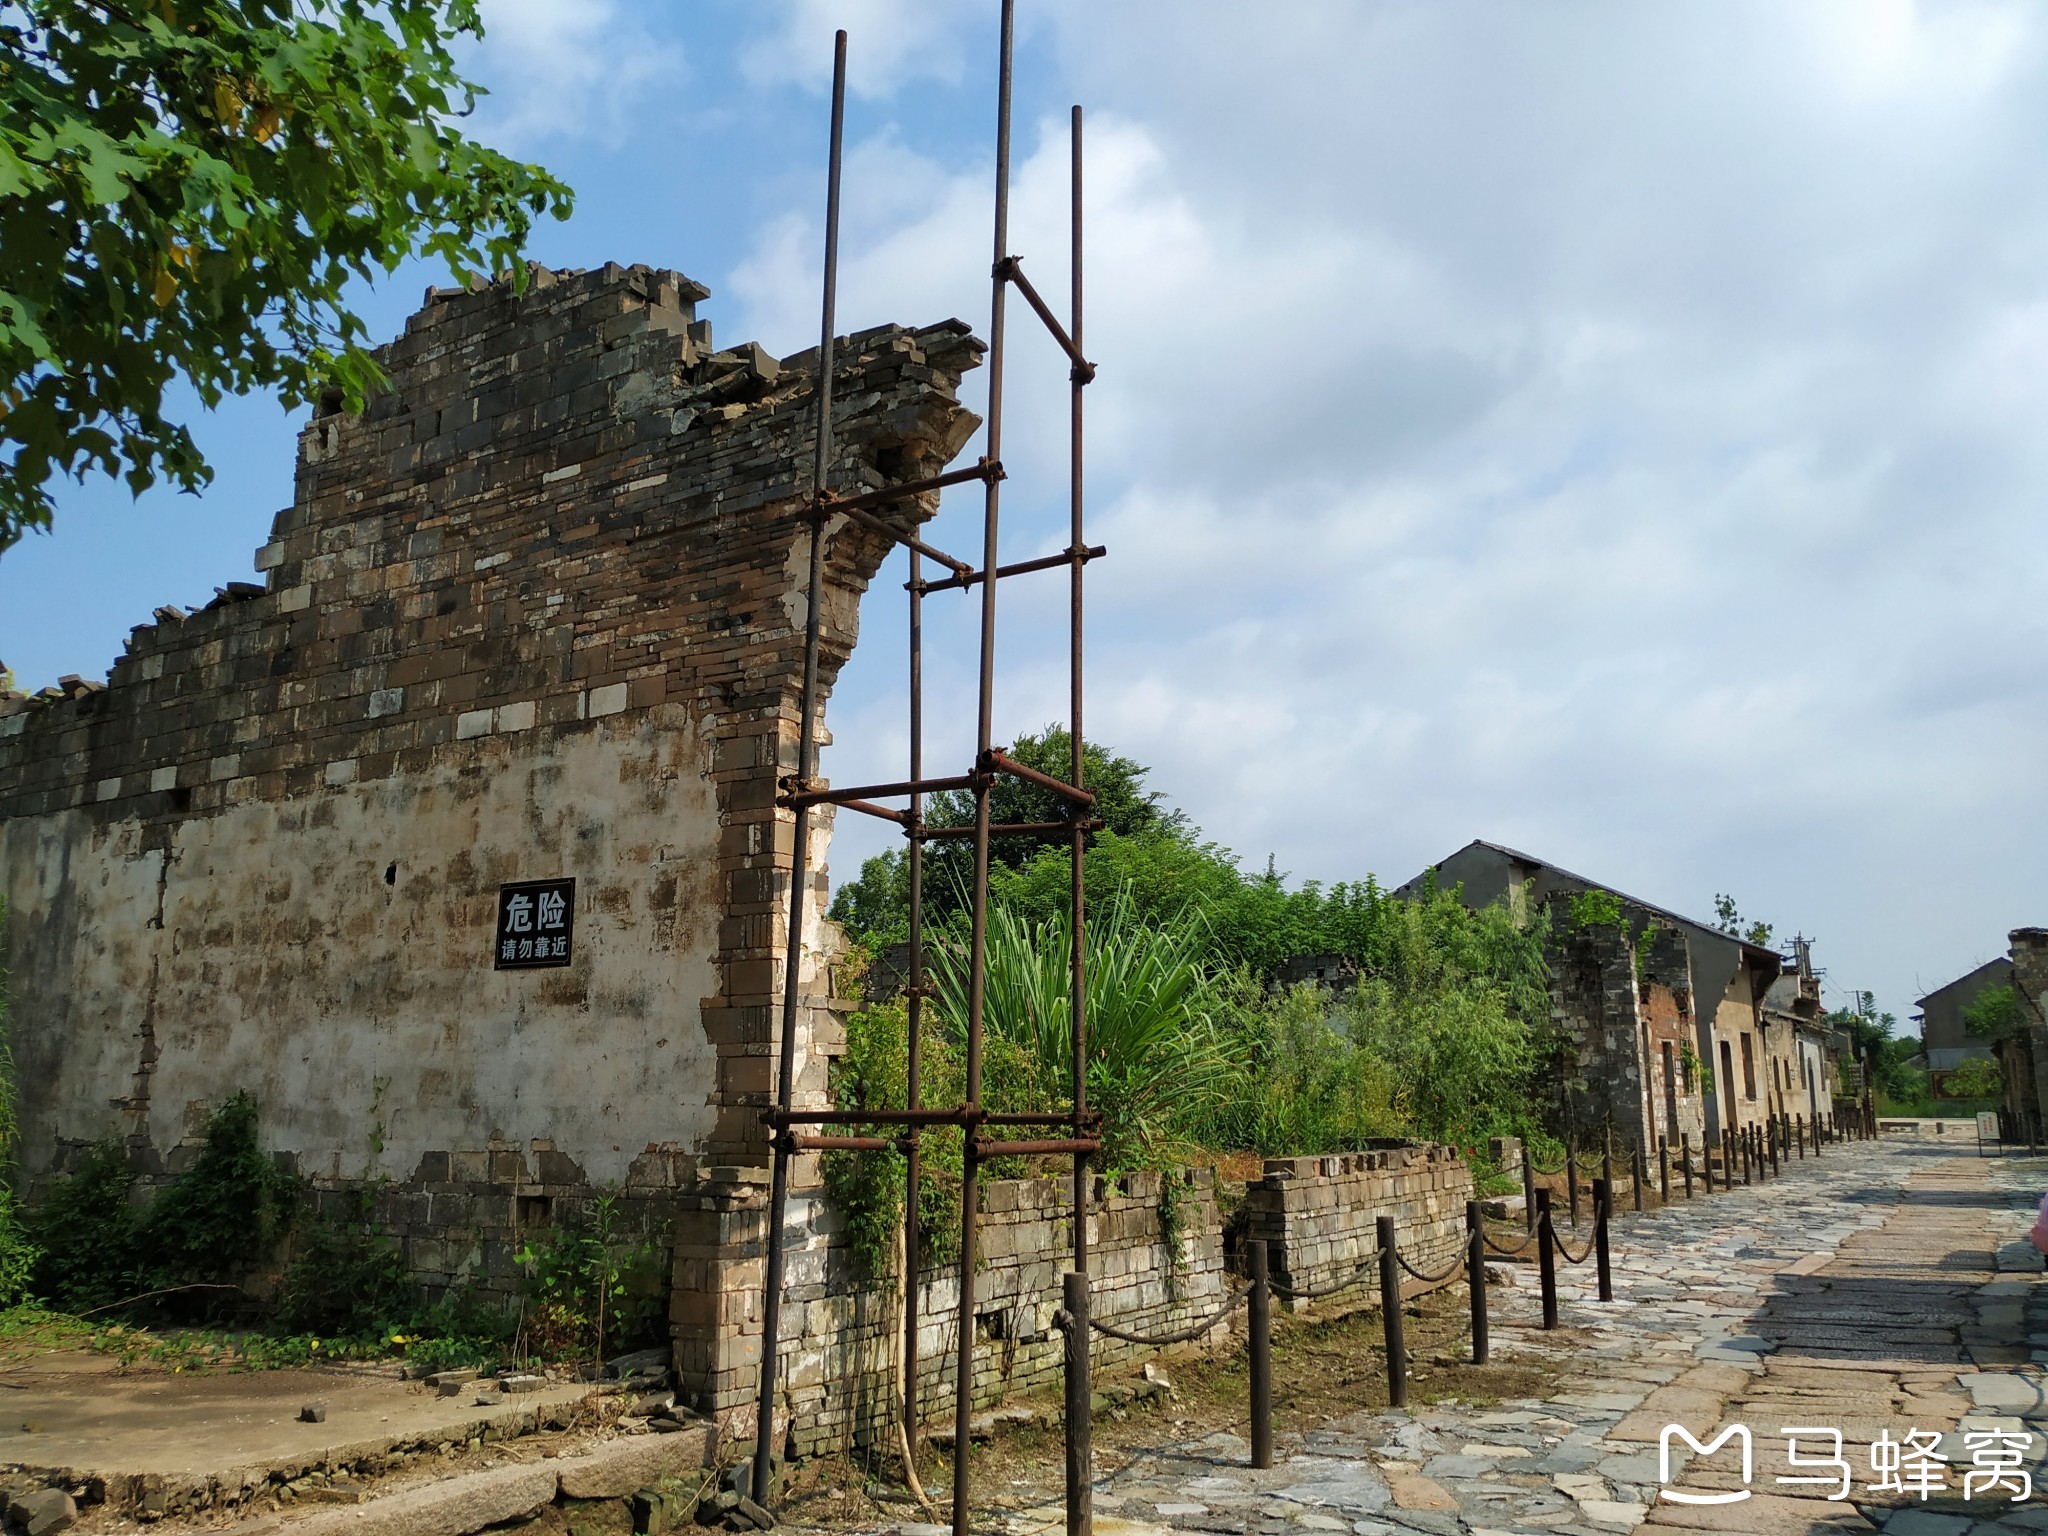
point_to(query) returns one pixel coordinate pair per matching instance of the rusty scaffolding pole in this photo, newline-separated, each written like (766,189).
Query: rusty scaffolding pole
(800,792)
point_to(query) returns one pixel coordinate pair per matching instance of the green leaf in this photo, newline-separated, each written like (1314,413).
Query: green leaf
(115,153)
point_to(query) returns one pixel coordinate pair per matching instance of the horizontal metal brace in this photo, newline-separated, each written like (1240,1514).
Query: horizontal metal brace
(1049,1117)
(985,470)
(1004,763)
(984,1150)
(869,808)
(859,508)
(1021,568)
(957,1116)
(792,797)
(1005,829)
(1011,270)
(799,1142)
(874,524)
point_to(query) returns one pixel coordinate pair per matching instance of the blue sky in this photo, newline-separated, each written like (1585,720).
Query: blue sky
(1614,432)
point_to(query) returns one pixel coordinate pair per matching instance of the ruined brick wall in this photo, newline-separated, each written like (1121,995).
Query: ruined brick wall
(841,1348)
(1318,1214)
(1596,1009)
(1675,1095)
(2026,1060)
(538,612)
(842,1351)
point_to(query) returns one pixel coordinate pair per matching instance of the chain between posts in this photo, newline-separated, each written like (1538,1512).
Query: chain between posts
(1185,1335)
(1370,1265)
(1457,1267)
(1566,1249)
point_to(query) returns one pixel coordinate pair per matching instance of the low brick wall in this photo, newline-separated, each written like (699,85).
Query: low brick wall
(840,1348)
(1317,1214)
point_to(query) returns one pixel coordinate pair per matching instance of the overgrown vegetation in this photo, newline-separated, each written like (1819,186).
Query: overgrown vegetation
(1974,1079)
(592,1288)
(188,1252)
(17,1249)
(1994,1013)
(1729,921)
(247,1269)
(1901,1087)
(1194,1048)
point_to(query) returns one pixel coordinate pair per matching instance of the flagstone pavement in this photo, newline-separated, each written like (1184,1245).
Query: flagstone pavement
(1882,1292)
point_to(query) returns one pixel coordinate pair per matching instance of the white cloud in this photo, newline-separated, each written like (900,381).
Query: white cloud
(561,69)
(891,44)
(1611,432)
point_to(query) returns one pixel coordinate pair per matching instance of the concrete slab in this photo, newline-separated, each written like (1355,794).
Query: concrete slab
(158,1440)
(455,1506)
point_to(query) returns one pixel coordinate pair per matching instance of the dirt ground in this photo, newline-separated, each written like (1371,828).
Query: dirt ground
(1322,1370)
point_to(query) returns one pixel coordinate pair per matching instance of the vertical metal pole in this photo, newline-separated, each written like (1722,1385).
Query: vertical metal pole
(1475,1276)
(1080,1407)
(1639,1175)
(1390,1314)
(1776,1137)
(1663,1171)
(800,841)
(1685,1161)
(1603,1208)
(984,742)
(913,1068)
(1607,1157)
(1571,1176)
(1546,1259)
(1799,1135)
(1259,1337)
(1528,1191)
(1080,1468)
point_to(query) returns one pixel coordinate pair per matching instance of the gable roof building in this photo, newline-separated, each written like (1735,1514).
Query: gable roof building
(1717,985)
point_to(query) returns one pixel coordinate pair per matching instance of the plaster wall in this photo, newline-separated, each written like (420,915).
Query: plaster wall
(331,955)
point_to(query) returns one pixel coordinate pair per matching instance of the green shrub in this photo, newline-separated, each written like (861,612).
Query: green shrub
(593,1288)
(1974,1079)
(1994,1014)
(1159,1064)
(222,1217)
(346,1281)
(1308,1087)
(86,1227)
(18,1253)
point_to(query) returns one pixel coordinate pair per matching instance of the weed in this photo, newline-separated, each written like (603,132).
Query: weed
(346,1280)
(591,1285)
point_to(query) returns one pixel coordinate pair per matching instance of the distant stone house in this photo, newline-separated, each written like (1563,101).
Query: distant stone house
(1945,1040)
(1800,1044)
(1665,1014)
(2023,1055)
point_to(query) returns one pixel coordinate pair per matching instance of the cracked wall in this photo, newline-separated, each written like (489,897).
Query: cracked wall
(535,613)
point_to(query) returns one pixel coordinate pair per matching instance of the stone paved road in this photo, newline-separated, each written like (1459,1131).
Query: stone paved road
(1882,1290)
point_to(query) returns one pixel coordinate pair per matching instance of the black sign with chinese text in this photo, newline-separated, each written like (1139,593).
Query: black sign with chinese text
(536,922)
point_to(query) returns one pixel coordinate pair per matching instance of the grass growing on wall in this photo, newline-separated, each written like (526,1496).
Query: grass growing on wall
(17,1251)
(229,1264)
